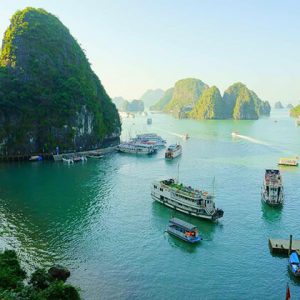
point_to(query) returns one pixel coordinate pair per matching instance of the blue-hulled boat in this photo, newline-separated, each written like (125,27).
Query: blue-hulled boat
(294,264)
(183,230)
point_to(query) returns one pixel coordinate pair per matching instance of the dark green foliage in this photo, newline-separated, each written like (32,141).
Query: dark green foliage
(11,274)
(242,103)
(45,82)
(41,285)
(40,279)
(295,112)
(186,93)
(60,291)
(209,106)
(164,100)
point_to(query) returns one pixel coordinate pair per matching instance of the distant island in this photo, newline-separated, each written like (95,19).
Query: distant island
(150,97)
(128,106)
(49,96)
(192,98)
(278,105)
(138,105)
(290,106)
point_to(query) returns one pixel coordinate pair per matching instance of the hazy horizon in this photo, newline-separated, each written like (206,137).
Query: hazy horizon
(135,46)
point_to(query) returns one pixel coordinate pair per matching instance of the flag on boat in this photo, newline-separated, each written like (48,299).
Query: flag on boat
(288,293)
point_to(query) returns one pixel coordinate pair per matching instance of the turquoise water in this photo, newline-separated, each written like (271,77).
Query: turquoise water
(98,218)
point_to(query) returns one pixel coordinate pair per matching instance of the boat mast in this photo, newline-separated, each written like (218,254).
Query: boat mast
(213,186)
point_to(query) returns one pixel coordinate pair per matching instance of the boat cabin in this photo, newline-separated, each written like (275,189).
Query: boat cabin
(185,231)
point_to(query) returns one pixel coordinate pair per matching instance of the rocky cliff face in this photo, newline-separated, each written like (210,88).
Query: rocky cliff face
(243,104)
(150,97)
(185,95)
(49,95)
(164,100)
(209,106)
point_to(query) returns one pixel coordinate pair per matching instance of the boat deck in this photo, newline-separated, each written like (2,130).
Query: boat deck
(282,246)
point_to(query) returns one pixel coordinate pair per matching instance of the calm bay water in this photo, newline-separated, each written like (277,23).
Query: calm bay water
(98,218)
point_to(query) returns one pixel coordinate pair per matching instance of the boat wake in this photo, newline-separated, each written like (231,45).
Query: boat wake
(170,132)
(250,139)
(256,141)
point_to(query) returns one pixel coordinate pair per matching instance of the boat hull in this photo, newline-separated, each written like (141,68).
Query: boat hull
(176,206)
(295,273)
(272,202)
(136,152)
(183,237)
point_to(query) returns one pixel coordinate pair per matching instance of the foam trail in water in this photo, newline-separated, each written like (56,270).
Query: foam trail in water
(169,132)
(250,139)
(274,147)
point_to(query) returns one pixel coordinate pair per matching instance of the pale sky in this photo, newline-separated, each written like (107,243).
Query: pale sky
(136,45)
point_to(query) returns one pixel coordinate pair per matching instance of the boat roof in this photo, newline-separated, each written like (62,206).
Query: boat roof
(173,146)
(288,158)
(271,171)
(183,224)
(294,258)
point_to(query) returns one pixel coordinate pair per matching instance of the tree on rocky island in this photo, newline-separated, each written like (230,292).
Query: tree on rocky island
(49,95)
(41,286)
(185,94)
(209,106)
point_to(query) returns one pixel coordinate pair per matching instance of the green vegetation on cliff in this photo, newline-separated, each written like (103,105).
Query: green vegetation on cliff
(185,94)
(164,100)
(295,112)
(41,286)
(243,104)
(49,94)
(238,102)
(209,106)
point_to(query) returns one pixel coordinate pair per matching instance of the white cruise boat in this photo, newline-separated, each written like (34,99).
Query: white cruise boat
(152,138)
(185,199)
(136,148)
(272,189)
(173,151)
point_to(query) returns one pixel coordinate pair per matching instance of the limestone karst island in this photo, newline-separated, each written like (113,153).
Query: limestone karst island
(149,150)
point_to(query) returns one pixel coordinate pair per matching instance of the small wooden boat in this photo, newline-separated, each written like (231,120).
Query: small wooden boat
(183,230)
(285,161)
(77,159)
(294,264)
(36,158)
(186,136)
(94,156)
(68,160)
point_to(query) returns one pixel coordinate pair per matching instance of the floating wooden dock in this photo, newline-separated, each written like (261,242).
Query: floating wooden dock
(284,246)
